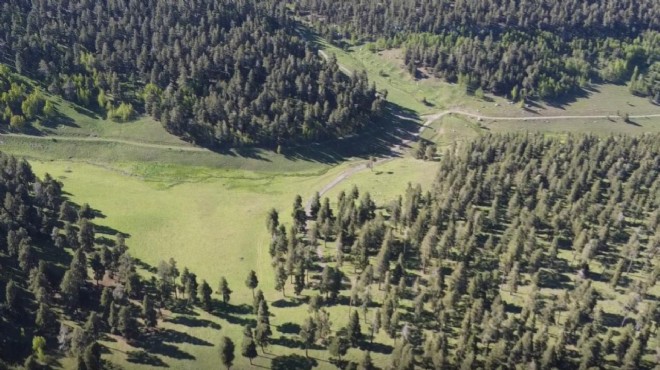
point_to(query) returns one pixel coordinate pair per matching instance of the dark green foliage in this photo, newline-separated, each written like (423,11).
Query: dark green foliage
(204,293)
(251,281)
(224,290)
(126,323)
(292,362)
(219,73)
(308,333)
(504,260)
(148,312)
(514,48)
(248,347)
(227,351)
(354,330)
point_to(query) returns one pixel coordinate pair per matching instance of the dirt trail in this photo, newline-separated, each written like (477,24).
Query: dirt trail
(108,140)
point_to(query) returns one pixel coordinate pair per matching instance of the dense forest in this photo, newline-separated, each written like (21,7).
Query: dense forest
(220,73)
(517,48)
(528,250)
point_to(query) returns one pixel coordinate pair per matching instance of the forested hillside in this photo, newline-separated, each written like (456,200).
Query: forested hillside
(221,73)
(528,251)
(62,286)
(534,48)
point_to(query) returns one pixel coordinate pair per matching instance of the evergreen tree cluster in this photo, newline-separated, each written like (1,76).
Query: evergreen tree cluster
(540,48)
(220,73)
(527,250)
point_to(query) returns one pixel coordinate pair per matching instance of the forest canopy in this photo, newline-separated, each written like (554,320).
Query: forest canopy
(518,48)
(220,73)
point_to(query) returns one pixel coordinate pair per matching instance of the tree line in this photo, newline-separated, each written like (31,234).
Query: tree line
(516,48)
(219,73)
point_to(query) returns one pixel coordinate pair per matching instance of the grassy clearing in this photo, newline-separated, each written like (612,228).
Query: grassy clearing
(389,179)
(212,224)
(600,100)
(388,74)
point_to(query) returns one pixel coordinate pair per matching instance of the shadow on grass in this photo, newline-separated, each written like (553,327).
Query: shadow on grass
(144,358)
(289,328)
(224,311)
(293,362)
(193,322)
(285,303)
(173,336)
(393,128)
(156,344)
(377,348)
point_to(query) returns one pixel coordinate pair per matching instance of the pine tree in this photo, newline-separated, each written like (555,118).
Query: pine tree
(227,352)
(354,330)
(12,295)
(338,346)
(248,347)
(616,275)
(366,363)
(92,357)
(45,318)
(251,281)
(126,322)
(315,205)
(272,221)
(204,292)
(308,333)
(262,335)
(148,312)
(512,280)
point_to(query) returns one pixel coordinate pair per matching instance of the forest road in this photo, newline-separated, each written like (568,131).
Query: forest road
(428,119)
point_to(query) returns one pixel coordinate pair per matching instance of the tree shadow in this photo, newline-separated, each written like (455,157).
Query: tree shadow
(218,312)
(181,307)
(287,342)
(289,328)
(377,348)
(102,229)
(102,240)
(293,362)
(144,358)
(285,303)
(157,346)
(193,322)
(173,336)
(85,111)
(242,309)
(59,120)
(613,319)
